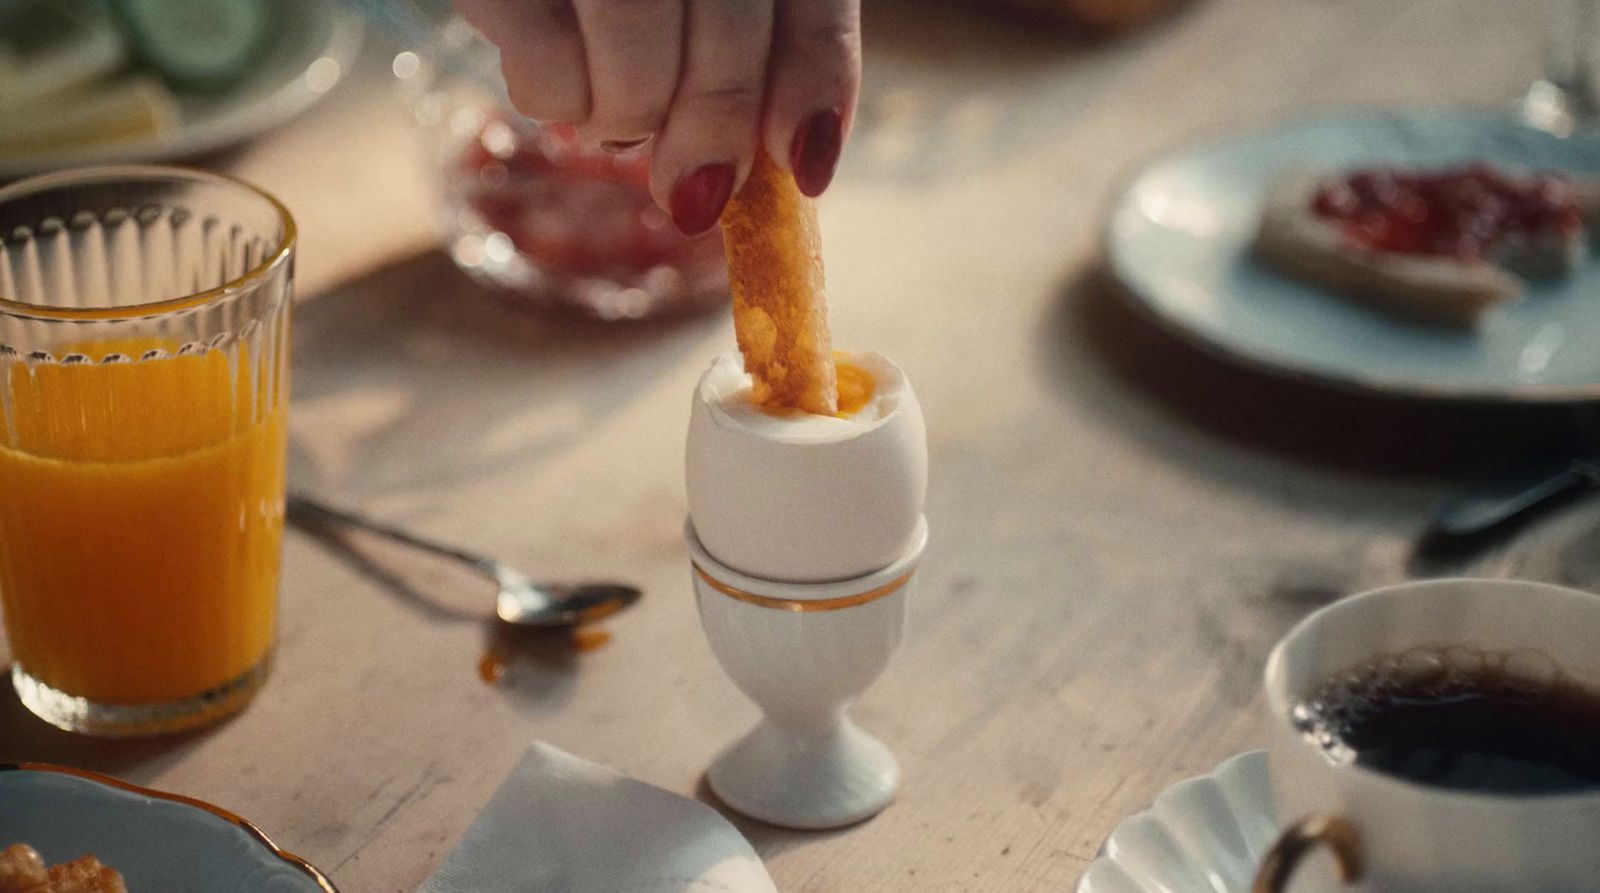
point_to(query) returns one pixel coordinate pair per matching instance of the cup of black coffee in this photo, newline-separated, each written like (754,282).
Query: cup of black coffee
(1438,736)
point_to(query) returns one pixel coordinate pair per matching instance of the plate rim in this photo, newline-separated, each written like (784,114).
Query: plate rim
(346,38)
(1354,382)
(322,881)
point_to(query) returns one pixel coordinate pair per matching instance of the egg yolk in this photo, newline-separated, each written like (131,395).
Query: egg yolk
(855,385)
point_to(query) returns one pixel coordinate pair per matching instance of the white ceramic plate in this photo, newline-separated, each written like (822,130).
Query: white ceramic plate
(159,842)
(1178,238)
(1203,835)
(312,48)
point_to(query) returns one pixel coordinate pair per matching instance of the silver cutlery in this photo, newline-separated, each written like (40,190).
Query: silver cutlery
(521,601)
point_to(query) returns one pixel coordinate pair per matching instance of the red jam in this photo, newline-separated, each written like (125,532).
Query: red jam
(1465,213)
(573,209)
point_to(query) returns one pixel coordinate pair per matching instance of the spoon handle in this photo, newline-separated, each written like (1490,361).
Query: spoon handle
(302,509)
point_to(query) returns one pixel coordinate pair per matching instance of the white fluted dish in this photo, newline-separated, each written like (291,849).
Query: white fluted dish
(803,652)
(1202,835)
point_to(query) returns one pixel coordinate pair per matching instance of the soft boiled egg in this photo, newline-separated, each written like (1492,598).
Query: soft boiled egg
(794,497)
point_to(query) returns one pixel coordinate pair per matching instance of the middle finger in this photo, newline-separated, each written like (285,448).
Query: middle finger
(633,48)
(710,137)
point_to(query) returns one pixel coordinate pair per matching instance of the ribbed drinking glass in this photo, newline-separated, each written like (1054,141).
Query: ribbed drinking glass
(144,349)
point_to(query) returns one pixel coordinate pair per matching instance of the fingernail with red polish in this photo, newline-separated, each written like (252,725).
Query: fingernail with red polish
(815,151)
(699,197)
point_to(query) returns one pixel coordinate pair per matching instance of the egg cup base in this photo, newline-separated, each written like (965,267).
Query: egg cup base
(808,782)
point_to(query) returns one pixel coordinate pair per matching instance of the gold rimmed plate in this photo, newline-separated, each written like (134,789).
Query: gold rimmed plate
(158,841)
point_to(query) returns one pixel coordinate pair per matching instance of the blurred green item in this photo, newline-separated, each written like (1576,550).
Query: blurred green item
(65,80)
(199,45)
(129,108)
(52,48)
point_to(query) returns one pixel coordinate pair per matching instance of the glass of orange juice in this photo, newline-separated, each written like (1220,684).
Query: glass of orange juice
(144,380)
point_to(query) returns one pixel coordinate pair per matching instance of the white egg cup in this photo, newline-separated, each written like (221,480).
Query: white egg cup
(802,652)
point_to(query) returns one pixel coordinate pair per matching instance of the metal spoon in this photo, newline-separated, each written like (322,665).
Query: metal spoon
(521,601)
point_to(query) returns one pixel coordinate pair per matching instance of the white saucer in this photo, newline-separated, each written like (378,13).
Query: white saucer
(1202,835)
(1179,234)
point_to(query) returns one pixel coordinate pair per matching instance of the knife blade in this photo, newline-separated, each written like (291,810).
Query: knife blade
(1488,504)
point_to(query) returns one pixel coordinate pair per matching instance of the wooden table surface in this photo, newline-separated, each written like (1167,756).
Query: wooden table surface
(1121,525)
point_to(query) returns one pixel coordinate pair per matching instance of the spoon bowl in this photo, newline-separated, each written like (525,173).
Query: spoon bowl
(521,602)
(525,603)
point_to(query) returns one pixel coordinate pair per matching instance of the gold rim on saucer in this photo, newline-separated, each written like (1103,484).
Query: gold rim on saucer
(237,821)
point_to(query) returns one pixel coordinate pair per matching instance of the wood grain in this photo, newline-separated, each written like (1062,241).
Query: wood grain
(1121,525)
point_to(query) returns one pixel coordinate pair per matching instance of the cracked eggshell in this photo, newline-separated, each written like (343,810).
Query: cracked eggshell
(805,498)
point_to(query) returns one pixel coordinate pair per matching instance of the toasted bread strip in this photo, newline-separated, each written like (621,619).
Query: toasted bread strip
(775,272)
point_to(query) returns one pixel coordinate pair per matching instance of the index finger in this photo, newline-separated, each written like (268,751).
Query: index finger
(812,85)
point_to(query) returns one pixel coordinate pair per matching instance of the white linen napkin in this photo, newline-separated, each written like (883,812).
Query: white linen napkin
(559,824)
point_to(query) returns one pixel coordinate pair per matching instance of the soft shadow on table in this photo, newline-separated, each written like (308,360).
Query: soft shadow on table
(1304,421)
(26,738)
(461,597)
(1560,545)
(1576,561)
(1229,422)
(768,840)
(535,667)
(413,376)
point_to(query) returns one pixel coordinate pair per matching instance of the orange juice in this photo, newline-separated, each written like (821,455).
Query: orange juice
(141,511)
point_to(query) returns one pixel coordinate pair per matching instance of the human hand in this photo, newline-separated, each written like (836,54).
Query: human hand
(711,80)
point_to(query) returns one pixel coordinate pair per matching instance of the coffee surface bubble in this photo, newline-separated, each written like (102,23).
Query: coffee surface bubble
(1505,722)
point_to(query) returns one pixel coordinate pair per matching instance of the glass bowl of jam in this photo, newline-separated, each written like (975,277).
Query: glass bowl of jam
(539,214)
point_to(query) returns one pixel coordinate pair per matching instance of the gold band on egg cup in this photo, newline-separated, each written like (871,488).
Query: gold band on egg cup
(834,595)
(801,605)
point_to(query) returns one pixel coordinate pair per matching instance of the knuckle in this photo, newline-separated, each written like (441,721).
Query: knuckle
(557,13)
(623,123)
(838,40)
(625,13)
(541,106)
(732,97)
(535,93)
(623,7)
